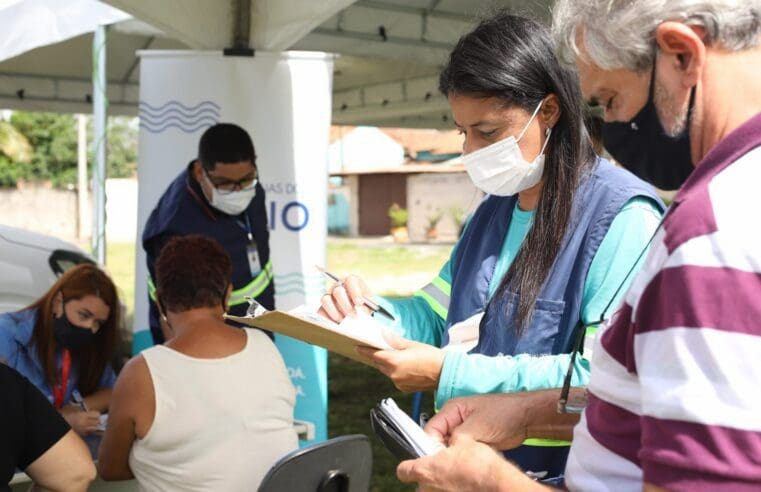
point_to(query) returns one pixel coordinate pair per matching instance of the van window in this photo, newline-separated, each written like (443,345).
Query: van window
(61,260)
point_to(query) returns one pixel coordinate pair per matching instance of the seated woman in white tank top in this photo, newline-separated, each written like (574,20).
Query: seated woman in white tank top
(210,410)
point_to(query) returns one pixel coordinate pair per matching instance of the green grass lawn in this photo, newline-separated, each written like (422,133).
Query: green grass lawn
(353,388)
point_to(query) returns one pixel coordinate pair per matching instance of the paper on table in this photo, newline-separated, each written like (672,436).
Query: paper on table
(424,444)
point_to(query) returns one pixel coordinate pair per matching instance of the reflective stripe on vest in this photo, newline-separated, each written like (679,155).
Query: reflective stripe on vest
(151,288)
(436,294)
(253,289)
(548,443)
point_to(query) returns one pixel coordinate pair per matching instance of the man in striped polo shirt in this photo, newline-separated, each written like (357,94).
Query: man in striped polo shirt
(674,400)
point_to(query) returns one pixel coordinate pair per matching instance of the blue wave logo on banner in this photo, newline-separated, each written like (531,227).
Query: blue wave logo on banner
(298,283)
(174,114)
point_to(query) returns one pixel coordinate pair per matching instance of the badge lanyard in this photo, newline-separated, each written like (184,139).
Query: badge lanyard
(59,390)
(252,252)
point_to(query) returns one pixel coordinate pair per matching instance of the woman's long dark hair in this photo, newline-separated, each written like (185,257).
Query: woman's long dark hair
(512,58)
(91,360)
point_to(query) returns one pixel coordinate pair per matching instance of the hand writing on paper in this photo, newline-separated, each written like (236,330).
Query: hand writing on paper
(344,299)
(83,423)
(413,366)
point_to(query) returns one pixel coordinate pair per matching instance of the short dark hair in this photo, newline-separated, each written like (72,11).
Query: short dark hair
(192,272)
(226,143)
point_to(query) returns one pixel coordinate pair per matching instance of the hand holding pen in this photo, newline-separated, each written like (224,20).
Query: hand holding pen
(345,296)
(83,421)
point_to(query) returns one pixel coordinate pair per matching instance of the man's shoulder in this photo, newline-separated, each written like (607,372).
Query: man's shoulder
(734,192)
(722,211)
(172,204)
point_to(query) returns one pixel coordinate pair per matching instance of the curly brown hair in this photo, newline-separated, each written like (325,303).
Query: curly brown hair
(192,272)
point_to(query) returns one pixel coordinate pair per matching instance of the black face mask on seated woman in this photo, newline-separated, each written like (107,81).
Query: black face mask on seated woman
(642,147)
(69,335)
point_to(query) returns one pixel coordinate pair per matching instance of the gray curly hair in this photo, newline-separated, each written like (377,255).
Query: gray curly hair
(619,34)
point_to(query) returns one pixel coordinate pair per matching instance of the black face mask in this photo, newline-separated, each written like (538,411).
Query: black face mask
(642,147)
(71,336)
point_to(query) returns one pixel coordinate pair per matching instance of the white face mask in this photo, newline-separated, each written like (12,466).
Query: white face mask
(500,169)
(232,203)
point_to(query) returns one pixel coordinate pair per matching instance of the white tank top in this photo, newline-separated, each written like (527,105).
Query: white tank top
(220,424)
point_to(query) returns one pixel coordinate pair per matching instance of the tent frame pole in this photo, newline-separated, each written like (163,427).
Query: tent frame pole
(100,108)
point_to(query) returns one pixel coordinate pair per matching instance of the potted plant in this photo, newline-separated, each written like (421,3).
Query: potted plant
(458,217)
(398,216)
(433,220)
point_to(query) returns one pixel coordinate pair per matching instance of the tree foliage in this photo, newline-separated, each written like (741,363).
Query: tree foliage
(52,139)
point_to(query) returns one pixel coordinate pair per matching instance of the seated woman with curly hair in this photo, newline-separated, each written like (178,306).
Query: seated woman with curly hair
(212,409)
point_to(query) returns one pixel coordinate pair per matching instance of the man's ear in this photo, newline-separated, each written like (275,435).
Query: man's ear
(684,45)
(197,170)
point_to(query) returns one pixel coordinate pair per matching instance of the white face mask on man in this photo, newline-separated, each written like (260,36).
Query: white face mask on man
(232,202)
(500,169)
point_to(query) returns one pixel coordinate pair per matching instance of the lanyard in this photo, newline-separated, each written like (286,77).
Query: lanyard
(59,390)
(246,227)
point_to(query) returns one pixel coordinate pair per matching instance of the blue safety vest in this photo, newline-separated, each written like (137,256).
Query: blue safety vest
(183,209)
(557,312)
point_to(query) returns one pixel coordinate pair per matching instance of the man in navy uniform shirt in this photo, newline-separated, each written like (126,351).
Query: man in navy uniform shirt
(217,195)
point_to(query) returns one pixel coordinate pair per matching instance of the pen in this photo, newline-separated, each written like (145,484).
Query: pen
(375,308)
(77,397)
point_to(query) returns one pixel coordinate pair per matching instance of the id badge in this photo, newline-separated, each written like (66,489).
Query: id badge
(254,265)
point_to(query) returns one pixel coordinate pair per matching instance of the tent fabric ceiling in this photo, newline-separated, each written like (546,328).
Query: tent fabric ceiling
(391,52)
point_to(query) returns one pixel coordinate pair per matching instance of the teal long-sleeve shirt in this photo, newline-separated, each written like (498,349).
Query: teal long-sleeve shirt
(467,374)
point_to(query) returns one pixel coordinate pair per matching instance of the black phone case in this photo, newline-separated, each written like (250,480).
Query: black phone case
(390,436)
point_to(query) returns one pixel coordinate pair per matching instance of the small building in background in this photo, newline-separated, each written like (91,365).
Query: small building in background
(368,176)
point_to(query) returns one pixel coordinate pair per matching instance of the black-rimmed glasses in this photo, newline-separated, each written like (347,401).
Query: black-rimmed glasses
(228,186)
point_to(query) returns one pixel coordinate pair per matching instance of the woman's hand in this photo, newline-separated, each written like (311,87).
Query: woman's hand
(344,298)
(83,423)
(413,366)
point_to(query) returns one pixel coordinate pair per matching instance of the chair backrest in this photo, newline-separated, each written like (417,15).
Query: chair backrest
(342,464)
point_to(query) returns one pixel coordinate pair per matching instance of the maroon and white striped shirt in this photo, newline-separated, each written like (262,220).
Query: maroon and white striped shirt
(675,392)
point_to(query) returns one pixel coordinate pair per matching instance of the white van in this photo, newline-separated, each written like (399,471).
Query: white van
(30,263)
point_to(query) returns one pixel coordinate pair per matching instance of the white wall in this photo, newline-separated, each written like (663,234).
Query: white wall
(40,208)
(364,148)
(121,210)
(428,192)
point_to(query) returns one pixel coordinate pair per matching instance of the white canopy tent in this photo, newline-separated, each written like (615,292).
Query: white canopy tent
(391,50)
(386,74)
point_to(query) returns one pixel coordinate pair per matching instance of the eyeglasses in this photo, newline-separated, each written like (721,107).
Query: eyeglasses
(226,186)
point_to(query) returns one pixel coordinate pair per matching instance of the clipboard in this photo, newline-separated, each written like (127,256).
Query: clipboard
(321,332)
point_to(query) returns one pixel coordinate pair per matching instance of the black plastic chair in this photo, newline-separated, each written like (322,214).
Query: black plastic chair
(343,464)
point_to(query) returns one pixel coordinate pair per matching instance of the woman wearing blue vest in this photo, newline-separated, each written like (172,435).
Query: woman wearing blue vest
(542,256)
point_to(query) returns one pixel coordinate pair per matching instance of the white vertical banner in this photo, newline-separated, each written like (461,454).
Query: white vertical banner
(284,101)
